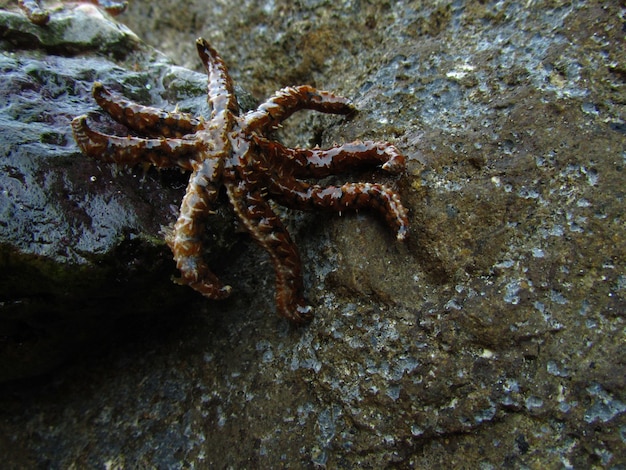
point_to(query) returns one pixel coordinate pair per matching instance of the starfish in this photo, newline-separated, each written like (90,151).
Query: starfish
(40,16)
(231,150)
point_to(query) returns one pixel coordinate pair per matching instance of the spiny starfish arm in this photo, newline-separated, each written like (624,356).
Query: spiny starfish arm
(301,195)
(162,153)
(185,240)
(144,119)
(319,163)
(220,88)
(291,99)
(269,232)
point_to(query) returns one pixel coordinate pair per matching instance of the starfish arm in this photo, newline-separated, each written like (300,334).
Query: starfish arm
(318,163)
(220,88)
(185,240)
(269,232)
(162,153)
(144,119)
(291,99)
(301,195)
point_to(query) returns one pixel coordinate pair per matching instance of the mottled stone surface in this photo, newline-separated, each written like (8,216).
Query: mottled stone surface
(493,338)
(79,241)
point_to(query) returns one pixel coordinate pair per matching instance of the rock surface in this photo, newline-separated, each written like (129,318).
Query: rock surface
(493,338)
(79,241)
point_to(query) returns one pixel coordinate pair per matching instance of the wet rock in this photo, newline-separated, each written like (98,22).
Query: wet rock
(493,337)
(79,241)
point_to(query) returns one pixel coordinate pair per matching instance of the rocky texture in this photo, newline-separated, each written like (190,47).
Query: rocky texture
(77,249)
(493,338)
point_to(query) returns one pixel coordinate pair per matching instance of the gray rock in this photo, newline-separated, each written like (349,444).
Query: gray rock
(79,241)
(493,338)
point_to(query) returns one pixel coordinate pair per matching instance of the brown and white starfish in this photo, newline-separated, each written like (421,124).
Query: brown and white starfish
(231,150)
